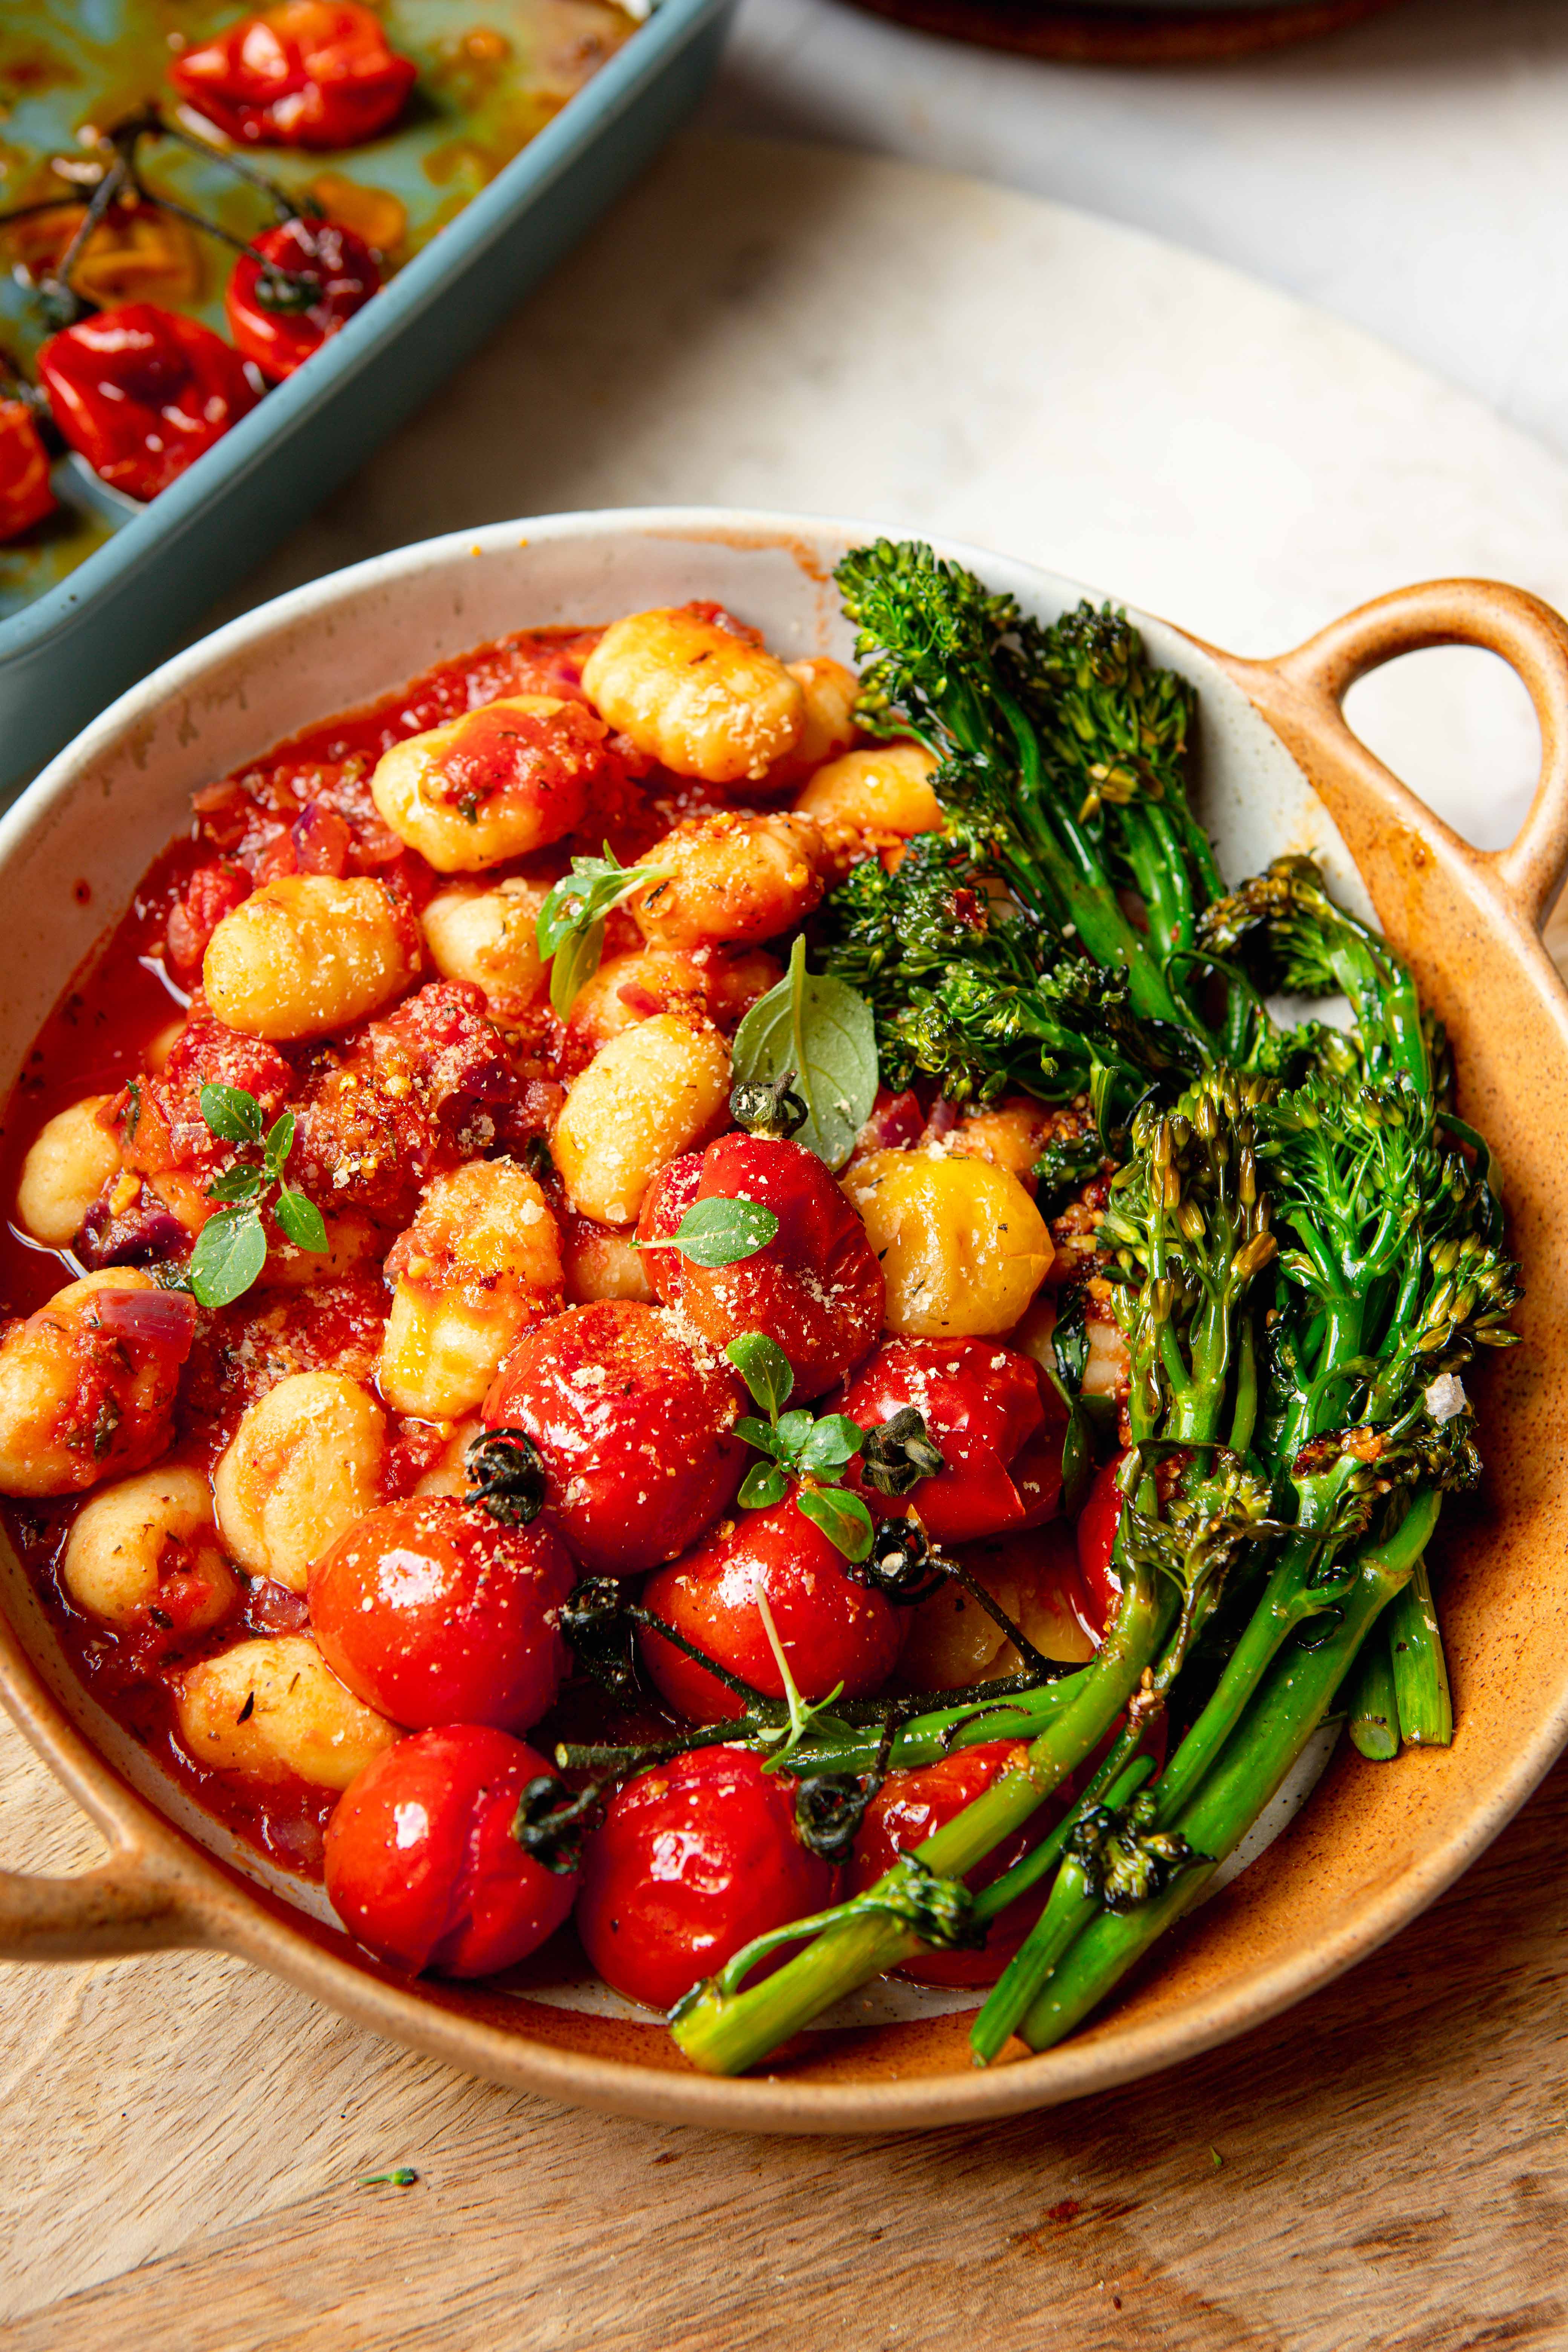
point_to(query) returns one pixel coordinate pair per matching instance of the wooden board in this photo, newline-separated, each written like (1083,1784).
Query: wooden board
(180,2140)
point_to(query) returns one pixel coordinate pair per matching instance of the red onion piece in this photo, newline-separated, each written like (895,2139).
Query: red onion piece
(158,1318)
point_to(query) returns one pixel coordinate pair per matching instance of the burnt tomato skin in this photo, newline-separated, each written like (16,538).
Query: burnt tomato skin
(911,1806)
(833,1629)
(815,1288)
(431,1613)
(1096,1524)
(421,1864)
(635,1424)
(983,1410)
(694,1859)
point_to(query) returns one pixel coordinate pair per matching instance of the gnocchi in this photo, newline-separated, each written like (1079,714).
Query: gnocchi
(649,1094)
(88,1382)
(308,955)
(480,1261)
(870,799)
(127,1540)
(963,1248)
(715,983)
(273,1710)
(64,1171)
(501,780)
(303,1465)
(731,877)
(489,938)
(699,697)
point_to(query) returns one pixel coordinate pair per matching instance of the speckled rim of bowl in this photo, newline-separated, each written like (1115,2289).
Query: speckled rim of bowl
(1378,1843)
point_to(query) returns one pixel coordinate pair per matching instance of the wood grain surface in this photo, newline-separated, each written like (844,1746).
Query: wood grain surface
(1386,2169)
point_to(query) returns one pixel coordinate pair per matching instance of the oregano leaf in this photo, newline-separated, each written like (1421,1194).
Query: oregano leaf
(232,1114)
(230,1252)
(765,1369)
(300,1221)
(764,1483)
(819,1032)
(278,1145)
(721,1231)
(241,1183)
(843,1518)
(831,1445)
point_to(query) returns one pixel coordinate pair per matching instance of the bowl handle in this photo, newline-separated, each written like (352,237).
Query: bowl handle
(1308,688)
(124,1906)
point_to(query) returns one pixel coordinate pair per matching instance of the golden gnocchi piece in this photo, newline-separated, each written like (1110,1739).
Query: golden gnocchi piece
(649,1095)
(350,1239)
(308,955)
(303,1465)
(274,1709)
(731,877)
(963,1248)
(868,800)
(448,1474)
(480,1261)
(88,1383)
(712,983)
(126,1541)
(695,696)
(602,1263)
(488,938)
(831,692)
(508,778)
(67,1168)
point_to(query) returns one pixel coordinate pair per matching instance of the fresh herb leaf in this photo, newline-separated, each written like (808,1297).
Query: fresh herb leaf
(278,1146)
(570,928)
(721,1231)
(763,1485)
(793,1429)
(573,966)
(230,1252)
(403,2177)
(765,1369)
(818,1033)
(300,1221)
(130,1117)
(239,1183)
(759,1434)
(830,1445)
(1069,1343)
(233,1114)
(843,1518)
(1078,1459)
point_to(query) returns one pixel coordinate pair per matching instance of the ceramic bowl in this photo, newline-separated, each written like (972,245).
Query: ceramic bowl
(1279,769)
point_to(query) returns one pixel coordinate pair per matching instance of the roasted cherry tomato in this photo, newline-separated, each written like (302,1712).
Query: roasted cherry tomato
(26,496)
(635,1423)
(815,1288)
(982,1407)
(269,324)
(421,1862)
(910,1806)
(1096,1524)
(311,73)
(433,1613)
(694,1859)
(833,1630)
(142,394)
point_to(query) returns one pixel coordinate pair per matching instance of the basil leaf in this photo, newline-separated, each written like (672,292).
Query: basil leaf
(569,927)
(831,1444)
(764,1366)
(278,1145)
(764,1483)
(759,1434)
(1069,1343)
(230,1252)
(231,1113)
(241,1183)
(721,1231)
(843,1518)
(819,1031)
(300,1221)
(573,966)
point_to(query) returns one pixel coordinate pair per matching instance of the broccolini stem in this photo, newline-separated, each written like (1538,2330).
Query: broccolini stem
(1374,1710)
(723,2034)
(1419,1668)
(1287,1711)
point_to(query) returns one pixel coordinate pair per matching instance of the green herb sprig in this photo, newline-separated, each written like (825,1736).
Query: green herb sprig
(814,1038)
(231,1248)
(721,1231)
(802,1451)
(570,928)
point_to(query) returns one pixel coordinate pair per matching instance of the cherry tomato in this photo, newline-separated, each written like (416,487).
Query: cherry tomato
(1096,1524)
(634,1422)
(141,393)
(982,1407)
(421,1863)
(433,1613)
(815,1288)
(311,73)
(26,496)
(905,1812)
(278,332)
(833,1630)
(668,1199)
(694,1859)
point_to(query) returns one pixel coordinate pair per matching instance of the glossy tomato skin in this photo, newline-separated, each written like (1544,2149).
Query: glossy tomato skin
(833,1629)
(433,1613)
(310,73)
(421,1863)
(910,1806)
(141,393)
(1096,1524)
(694,1859)
(343,268)
(983,1409)
(815,1288)
(634,1423)
(668,1199)
(26,496)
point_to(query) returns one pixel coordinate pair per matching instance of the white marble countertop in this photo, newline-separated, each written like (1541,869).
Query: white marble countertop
(1410,176)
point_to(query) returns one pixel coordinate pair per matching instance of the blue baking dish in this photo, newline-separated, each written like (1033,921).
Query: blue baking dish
(73,648)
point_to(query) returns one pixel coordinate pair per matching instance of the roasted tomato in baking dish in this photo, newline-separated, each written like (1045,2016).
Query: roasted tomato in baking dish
(296,287)
(310,73)
(143,393)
